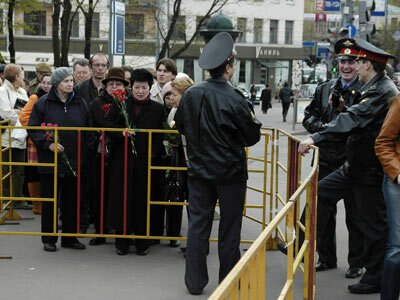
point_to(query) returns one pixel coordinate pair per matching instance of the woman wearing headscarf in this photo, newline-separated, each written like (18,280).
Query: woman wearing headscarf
(61,106)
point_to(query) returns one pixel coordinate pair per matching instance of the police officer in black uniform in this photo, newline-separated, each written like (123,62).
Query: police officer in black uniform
(332,155)
(218,124)
(359,179)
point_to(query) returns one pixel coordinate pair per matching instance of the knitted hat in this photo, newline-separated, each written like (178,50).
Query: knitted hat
(59,75)
(117,74)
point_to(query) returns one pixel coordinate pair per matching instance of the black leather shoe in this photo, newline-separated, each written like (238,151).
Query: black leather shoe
(142,252)
(354,272)
(122,251)
(76,246)
(282,247)
(322,266)
(49,247)
(363,288)
(174,244)
(193,292)
(97,241)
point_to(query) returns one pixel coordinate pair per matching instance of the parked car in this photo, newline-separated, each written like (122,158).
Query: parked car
(242,87)
(307,90)
(259,88)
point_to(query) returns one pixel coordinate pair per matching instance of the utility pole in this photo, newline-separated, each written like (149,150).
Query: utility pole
(348,14)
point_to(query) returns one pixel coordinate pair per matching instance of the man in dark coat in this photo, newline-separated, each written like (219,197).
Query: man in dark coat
(359,179)
(89,90)
(332,155)
(285,94)
(217,123)
(266,98)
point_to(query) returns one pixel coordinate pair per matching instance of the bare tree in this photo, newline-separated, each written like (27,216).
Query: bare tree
(25,6)
(55,31)
(88,13)
(215,6)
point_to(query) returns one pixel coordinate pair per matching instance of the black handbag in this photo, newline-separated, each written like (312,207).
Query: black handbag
(19,104)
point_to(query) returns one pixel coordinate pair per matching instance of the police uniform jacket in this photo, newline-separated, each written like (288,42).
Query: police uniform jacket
(218,124)
(361,123)
(319,112)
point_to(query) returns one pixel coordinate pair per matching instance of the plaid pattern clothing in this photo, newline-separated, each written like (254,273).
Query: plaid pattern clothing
(31,153)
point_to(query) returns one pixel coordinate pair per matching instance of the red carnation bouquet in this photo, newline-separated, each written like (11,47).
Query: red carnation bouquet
(119,97)
(50,136)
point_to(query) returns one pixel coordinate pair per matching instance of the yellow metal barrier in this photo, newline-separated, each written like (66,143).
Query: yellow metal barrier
(247,280)
(268,205)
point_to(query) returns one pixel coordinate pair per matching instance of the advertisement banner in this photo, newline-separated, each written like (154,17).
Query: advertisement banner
(379,8)
(319,5)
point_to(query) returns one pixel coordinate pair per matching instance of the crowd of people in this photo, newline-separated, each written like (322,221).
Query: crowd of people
(101,177)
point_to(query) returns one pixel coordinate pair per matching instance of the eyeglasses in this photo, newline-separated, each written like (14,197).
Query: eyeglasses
(114,83)
(100,65)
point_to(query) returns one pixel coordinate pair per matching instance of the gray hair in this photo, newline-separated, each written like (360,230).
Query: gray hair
(80,61)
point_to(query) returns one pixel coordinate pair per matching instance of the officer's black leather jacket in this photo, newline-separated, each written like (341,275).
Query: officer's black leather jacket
(361,123)
(217,124)
(319,112)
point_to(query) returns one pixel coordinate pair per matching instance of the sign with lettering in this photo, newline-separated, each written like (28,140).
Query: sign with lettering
(332,5)
(319,5)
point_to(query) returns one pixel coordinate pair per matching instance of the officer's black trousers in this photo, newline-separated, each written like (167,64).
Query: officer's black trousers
(203,197)
(369,212)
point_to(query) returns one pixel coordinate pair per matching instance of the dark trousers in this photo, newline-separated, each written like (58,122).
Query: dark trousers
(67,192)
(18,173)
(326,242)
(96,205)
(203,197)
(285,109)
(369,213)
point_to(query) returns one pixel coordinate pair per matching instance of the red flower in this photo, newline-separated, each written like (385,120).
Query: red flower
(106,107)
(119,95)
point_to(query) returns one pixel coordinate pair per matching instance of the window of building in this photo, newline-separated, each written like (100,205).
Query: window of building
(134,26)
(258,30)
(75,26)
(242,26)
(273,31)
(198,18)
(188,67)
(35,23)
(289,32)
(96,25)
(242,71)
(395,20)
(179,32)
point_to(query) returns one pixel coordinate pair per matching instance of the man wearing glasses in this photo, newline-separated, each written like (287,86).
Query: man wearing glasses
(89,90)
(360,178)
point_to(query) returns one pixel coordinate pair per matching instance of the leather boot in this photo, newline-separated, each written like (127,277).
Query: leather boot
(34,191)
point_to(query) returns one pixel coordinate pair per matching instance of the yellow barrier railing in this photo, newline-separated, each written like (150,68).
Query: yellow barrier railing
(260,163)
(247,280)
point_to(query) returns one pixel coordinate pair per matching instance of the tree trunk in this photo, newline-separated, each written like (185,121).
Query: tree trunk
(55,29)
(10,24)
(88,29)
(65,32)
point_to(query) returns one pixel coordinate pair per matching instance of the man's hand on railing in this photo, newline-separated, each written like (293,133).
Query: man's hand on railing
(304,146)
(60,148)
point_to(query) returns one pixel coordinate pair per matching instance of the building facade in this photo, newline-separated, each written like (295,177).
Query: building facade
(271,43)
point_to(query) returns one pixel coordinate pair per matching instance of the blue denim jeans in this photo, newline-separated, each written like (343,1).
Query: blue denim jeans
(390,287)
